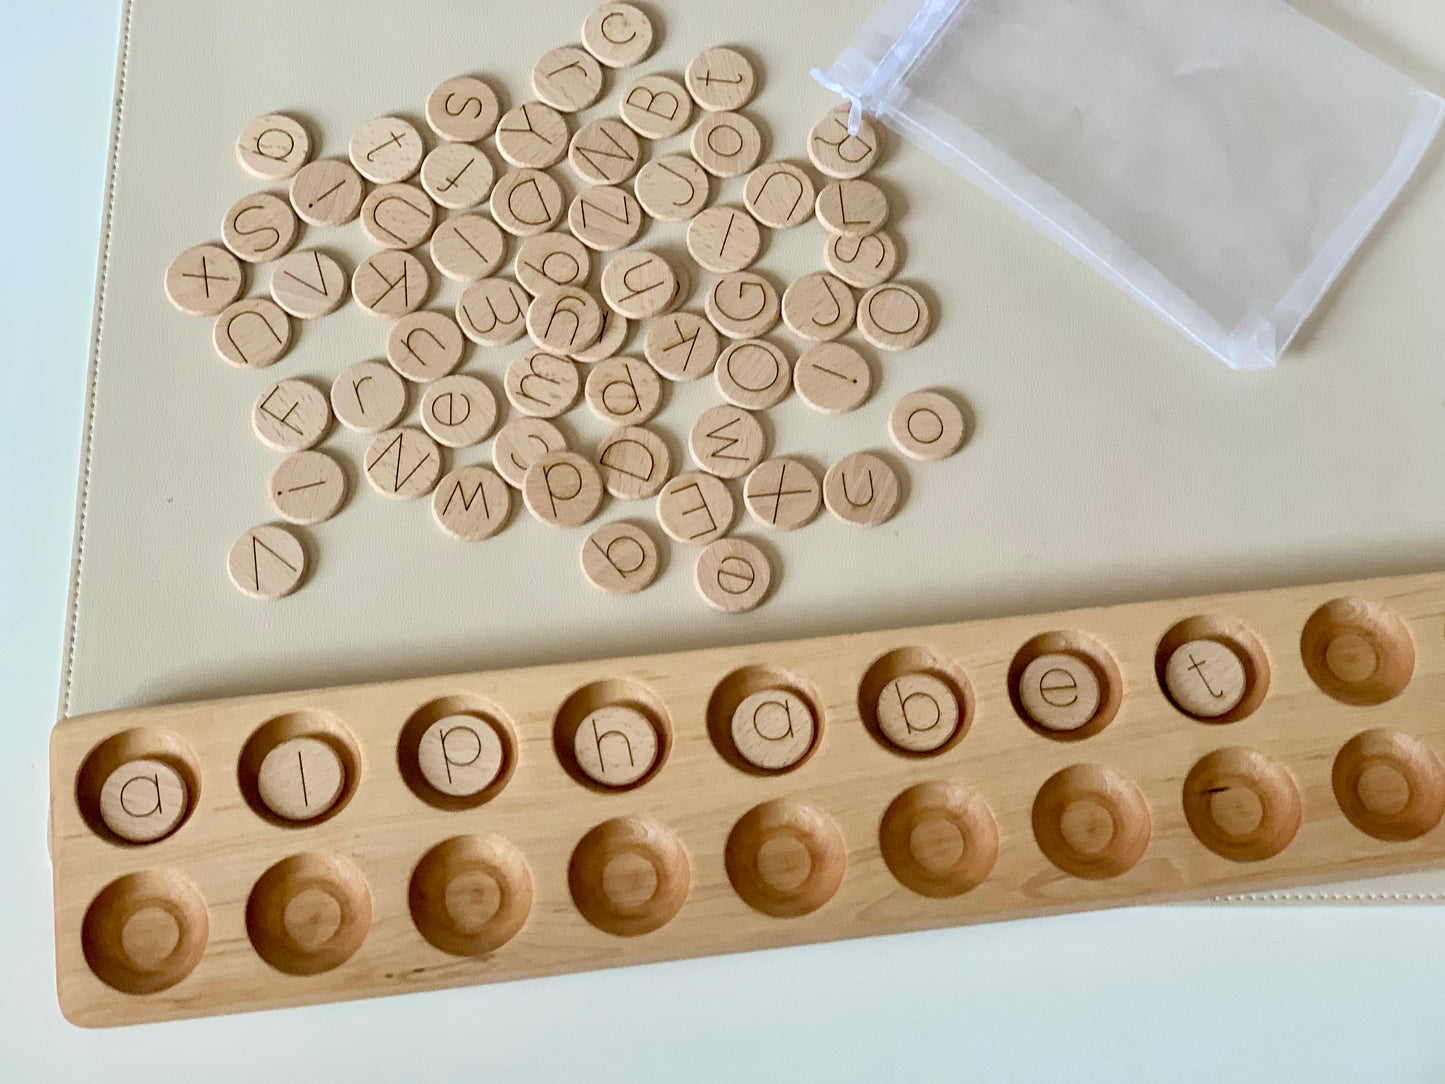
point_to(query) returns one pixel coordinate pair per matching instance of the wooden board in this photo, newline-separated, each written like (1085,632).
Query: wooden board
(339,884)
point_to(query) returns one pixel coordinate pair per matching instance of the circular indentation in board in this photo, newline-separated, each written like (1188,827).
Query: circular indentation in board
(145,932)
(308,913)
(915,702)
(1091,821)
(1390,785)
(1242,804)
(456,752)
(299,769)
(763,720)
(1358,651)
(939,838)
(629,876)
(469,895)
(138,786)
(1065,685)
(785,857)
(612,735)
(1212,668)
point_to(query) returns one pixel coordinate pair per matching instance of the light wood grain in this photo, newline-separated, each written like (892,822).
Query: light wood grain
(673,188)
(656,107)
(532,135)
(634,463)
(618,35)
(327,193)
(726,144)
(861,489)
(840,153)
(368,397)
(720,78)
(386,150)
(463,109)
(568,79)
(308,487)
(203,280)
(620,558)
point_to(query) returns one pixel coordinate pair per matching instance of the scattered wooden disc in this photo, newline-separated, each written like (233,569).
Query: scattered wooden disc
(861,489)
(918,712)
(1060,691)
(542,384)
(144,800)
(493,312)
(527,201)
(726,144)
(724,239)
(780,195)
(424,346)
(673,188)
(727,441)
(292,415)
(203,280)
(390,284)
(742,305)
(403,463)
(753,374)
(683,290)
(397,216)
(462,109)
(252,333)
(606,151)
(457,175)
(656,107)
(273,147)
(550,260)
(368,397)
(1205,678)
(783,494)
(695,508)
(639,284)
(605,218)
(861,262)
(614,334)
(308,284)
(773,729)
(838,153)
(853,208)
(458,410)
(733,575)
(634,463)
(471,503)
(300,779)
(259,227)
(386,150)
(567,79)
(564,319)
(927,425)
(623,391)
(832,378)
(620,558)
(720,79)
(520,443)
(618,35)
(468,247)
(681,345)
(818,307)
(616,746)
(532,136)
(893,316)
(327,192)
(266,562)
(563,489)
(461,755)
(308,487)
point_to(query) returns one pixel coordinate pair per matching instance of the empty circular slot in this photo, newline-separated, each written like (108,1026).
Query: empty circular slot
(1091,821)
(1065,685)
(785,857)
(1358,651)
(763,720)
(1213,669)
(915,702)
(939,838)
(299,769)
(1241,804)
(456,752)
(629,876)
(138,786)
(308,913)
(145,932)
(612,735)
(470,895)
(1390,785)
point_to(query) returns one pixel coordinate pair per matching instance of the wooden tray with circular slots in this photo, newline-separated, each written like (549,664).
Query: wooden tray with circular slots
(375,839)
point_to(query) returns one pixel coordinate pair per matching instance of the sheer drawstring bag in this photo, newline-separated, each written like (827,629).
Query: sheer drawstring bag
(1220,160)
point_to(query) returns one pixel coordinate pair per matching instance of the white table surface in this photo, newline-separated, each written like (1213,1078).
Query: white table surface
(1179,994)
